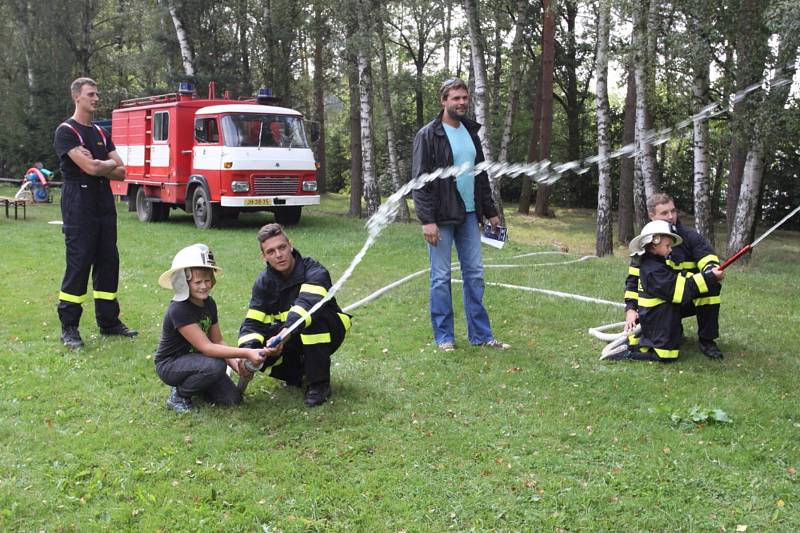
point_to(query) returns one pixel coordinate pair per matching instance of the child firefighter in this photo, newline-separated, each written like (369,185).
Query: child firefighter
(663,294)
(191,355)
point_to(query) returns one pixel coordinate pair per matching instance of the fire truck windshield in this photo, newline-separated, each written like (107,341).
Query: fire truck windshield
(264,130)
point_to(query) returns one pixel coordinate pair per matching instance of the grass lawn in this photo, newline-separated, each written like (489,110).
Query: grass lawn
(541,437)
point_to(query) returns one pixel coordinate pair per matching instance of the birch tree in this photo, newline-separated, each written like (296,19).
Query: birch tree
(388,117)
(604,241)
(764,127)
(187,57)
(645,155)
(702,192)
(372,194)
(625,209)
(480,98)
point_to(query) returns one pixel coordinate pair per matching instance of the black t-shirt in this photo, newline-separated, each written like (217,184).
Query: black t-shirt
(179,314)
(65,140)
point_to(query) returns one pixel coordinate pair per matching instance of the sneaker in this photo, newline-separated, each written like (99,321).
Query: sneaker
(317,394)
(447,347)
(178,403)
(496,344)
(617,356)
(120,329)
(71,337)
(710,349)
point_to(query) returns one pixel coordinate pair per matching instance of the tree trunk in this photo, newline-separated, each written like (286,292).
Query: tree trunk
(625,201)
(183,40)
(319,94)
(447,36)
(372,193)
(751,51)
(744,221)
(246,86)
(702,194)
(548,55)
(388,117)
(533,141)
(604,241)
(645,155)
(356,183)
(481,98)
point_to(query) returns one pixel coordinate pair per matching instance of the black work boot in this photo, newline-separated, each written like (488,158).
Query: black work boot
(71,337)
(120,329)
(318,393)
(710,349)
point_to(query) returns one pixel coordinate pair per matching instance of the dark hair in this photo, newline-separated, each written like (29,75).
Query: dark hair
(452,83)
(269,231)
(77,85)
(657,199)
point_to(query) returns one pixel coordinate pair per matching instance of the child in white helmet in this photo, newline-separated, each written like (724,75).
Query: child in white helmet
(662,291)
(191,355)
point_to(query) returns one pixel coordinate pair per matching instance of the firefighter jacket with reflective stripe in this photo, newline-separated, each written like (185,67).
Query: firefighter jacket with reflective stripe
(662,291)
(277,302)
(693,255)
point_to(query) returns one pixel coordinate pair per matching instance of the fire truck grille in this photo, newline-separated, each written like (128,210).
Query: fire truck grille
(274,185)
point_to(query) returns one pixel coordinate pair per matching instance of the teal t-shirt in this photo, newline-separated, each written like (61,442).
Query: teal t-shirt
(463,152)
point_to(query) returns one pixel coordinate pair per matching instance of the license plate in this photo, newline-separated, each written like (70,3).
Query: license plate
(258,201)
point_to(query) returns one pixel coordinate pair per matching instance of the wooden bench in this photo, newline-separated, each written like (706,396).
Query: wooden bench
(8,201)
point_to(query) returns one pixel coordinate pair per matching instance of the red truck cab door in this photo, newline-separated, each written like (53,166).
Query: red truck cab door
(207,153)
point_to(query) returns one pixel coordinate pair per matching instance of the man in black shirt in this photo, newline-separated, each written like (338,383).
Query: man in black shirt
(88,160)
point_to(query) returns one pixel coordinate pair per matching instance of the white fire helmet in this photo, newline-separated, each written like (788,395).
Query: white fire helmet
(194,256)
(649,233)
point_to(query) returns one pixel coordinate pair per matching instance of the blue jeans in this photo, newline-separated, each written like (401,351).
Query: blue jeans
(467,239)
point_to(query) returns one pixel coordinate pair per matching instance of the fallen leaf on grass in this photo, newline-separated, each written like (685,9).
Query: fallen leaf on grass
(780,504)
(792,470)
(741,527)
(513,370)
(667,451)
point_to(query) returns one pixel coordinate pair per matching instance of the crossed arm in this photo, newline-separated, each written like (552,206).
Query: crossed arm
(111,168)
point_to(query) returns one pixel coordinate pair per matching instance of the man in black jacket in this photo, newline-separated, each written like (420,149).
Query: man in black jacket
(450,210)
(284,292)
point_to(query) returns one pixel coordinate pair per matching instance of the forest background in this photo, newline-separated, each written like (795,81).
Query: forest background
(367,72)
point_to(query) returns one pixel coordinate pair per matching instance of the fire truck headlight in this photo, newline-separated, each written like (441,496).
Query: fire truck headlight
(240,186)
(309,186)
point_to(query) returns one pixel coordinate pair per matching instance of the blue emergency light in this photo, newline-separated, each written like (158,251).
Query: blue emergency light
(185,87)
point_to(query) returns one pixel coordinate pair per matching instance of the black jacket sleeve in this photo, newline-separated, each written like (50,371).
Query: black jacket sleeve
(260,321)
(315,287)
(424,197)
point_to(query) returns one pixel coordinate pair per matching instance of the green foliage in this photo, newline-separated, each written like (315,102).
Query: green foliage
(697,415)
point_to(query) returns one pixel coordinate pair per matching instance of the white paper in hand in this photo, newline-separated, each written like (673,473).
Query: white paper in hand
(496,238)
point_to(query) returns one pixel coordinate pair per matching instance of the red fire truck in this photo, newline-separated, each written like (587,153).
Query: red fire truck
(213,158)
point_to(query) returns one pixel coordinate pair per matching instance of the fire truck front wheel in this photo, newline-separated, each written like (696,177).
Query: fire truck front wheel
(205,213)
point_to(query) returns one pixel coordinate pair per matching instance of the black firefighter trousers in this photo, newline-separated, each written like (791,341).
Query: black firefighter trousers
(90,235)
(310,352)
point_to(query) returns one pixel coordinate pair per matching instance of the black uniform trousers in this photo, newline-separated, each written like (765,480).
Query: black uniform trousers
(90,235)
(194,373)
(310,352)
(706,308)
